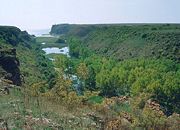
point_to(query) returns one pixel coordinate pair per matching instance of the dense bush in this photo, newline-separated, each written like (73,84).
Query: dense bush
(60,41)
(159,77)
(46,67)
(126,42)
(14,36)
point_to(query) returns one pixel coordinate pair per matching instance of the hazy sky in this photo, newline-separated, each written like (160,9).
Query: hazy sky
(41,14)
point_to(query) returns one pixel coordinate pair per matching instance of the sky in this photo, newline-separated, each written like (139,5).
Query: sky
(42,14)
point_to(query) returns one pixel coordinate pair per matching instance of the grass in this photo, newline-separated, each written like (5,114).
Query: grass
(46,39)
(53,55)
(49,42)
(122,107)
(19,110)
(95,99)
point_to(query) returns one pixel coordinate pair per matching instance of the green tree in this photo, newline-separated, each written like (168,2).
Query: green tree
(63,64)
(82,71)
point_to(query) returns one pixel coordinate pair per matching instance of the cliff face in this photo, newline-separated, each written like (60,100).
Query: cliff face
(9,65)
(60,29)
(10,38)
(73,29)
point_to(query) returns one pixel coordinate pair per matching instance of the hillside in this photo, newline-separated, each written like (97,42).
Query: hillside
(127,41)
(24,69)
(99,86)
(127,60)
(71,29)
(10,38)
(14,36)
(22,58)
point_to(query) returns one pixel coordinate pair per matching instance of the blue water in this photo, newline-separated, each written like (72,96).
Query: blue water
(77,85)
(56,50)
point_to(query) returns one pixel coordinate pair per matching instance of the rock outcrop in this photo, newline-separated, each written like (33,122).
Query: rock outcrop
(9,66)
(11,38)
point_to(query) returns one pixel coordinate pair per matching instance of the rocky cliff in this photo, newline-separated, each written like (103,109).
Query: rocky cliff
(9,66)
(10,39)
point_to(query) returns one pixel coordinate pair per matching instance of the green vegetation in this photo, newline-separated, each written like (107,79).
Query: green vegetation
(155,75)
(14,36)
(159,77)
(118,77)
(34,66)
(95,99)
(127,41)
(71,29)
(39,113)
(51,42)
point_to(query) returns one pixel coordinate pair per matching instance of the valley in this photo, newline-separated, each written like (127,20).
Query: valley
(91,77)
